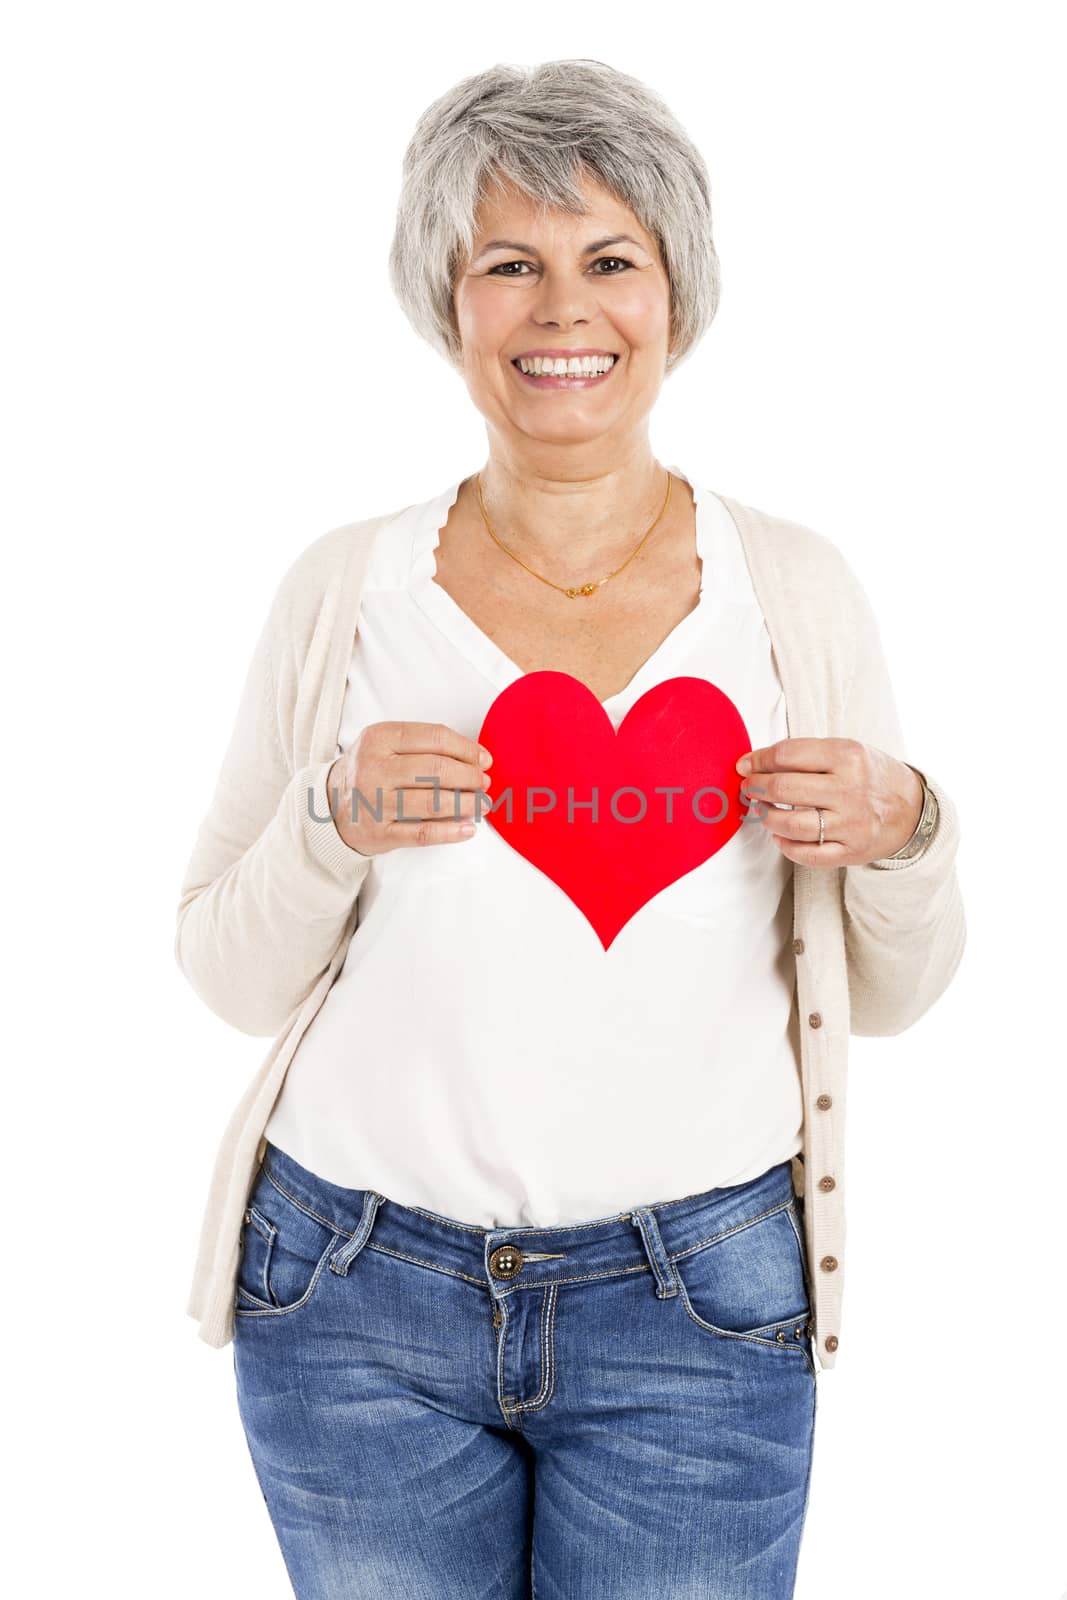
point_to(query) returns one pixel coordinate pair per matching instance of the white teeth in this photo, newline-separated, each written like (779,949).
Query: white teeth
(560,367)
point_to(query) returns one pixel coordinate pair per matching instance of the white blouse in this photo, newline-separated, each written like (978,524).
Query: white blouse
(511,1071)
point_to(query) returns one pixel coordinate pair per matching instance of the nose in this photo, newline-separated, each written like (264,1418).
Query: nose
(562,304)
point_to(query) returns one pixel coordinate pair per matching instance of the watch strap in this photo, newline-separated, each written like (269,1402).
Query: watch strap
(924,830)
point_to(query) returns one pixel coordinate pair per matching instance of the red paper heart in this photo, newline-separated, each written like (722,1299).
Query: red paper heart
(548,734)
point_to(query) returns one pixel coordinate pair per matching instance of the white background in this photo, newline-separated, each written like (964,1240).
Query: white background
(204,369)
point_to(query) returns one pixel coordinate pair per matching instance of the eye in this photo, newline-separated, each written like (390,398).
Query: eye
(620,260)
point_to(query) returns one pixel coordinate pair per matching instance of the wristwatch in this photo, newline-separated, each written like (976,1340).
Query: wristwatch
(923,831)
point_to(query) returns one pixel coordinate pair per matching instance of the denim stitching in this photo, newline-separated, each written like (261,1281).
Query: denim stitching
(729,1232)
(548,1355)
(753,1335)
(782,1322)
(810,1294)
(433,1266)
(268,1233)
(283,1311)
(749,1338)
(357,1241)
(648,1229)
(803,1255)
(453,1272)
(254,1298)
(462,1227)
(505,1405)
(266,1229)
(307,1210)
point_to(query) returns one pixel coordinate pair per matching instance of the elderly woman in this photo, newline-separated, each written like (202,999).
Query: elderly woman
(529,1234)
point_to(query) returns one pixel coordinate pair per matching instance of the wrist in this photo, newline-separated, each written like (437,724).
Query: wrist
(914,847)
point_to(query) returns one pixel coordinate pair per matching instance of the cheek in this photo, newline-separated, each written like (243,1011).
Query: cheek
(482,317)
(640,309)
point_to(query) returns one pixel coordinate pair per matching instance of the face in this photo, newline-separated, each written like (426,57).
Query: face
(558,286)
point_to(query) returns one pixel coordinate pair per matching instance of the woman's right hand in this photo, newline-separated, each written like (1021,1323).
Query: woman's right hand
(400,769)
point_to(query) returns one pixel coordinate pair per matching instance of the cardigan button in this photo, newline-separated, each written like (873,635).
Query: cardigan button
(815,1019)
(828,1263)
(798,947)
(831,1342)
(824,1102)
(826,1184)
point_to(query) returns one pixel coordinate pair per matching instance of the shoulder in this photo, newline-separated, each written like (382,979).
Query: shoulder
(784,545)
(324,570)
(800,567)
(326,559)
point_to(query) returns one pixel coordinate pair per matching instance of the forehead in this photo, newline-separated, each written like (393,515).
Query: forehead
(507,211)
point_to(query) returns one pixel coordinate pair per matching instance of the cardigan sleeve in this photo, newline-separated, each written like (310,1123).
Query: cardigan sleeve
(904,930)
(270,884)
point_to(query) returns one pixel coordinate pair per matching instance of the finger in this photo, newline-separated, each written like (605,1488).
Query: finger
(426,831)
(792,788)
(832,854)
(406,806)
(801,826)
(797,755)
(434,738)
(430,768)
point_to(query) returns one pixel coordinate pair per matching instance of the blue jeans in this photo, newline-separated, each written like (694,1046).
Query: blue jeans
(618,1408)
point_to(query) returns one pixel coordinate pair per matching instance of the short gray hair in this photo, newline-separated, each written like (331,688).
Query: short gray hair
(543,128)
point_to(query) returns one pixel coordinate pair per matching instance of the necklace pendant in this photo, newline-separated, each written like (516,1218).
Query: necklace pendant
(586,588)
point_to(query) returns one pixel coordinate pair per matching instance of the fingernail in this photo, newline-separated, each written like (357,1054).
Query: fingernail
(744,765)
(484,757)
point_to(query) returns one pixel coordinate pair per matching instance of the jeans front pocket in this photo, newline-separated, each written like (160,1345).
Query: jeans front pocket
(284,1248)
(257,1244)
(751,1284)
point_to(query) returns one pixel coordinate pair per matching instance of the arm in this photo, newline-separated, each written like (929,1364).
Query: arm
(268,890)
(904,928)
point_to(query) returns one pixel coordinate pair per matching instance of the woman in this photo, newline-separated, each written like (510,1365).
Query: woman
(511,1232)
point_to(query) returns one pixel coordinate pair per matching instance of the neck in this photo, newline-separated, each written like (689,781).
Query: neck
(576,514)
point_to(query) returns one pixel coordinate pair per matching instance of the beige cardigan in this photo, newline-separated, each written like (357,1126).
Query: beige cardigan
(269,899)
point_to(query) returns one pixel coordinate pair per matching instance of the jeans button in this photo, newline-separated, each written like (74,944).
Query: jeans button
(505,1261)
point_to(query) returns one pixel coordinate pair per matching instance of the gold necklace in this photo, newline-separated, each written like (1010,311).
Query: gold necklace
(585,588)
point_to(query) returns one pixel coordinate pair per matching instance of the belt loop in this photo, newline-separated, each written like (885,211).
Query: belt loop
(344,1257)
(666,1278)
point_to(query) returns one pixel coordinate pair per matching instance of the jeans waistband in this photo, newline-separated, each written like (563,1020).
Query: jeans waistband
(653,1235)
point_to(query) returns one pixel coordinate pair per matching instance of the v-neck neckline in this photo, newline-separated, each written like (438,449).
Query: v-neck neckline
(473,643)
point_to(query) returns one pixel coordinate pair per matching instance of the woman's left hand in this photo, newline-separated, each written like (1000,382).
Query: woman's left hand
(871,803)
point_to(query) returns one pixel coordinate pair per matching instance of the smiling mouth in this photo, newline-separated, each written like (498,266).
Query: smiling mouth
(552,379)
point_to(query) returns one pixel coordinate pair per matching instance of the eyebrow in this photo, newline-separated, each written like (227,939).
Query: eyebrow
(528,249)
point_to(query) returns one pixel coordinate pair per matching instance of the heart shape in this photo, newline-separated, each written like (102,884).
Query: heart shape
(554,746)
